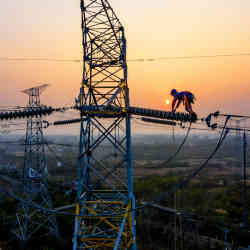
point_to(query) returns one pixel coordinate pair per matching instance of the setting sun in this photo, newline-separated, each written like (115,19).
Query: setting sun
(167,102)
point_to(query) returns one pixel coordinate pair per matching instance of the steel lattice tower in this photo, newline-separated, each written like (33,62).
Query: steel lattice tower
(105,200)
(34,220)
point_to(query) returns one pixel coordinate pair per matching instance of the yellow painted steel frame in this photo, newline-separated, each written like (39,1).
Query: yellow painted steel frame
(105,219)
(127,238)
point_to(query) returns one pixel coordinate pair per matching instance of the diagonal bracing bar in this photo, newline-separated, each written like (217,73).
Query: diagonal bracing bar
(31,221)
(105,200)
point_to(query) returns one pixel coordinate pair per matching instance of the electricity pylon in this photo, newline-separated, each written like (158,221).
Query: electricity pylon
(34,220)
(237,133)
(105,217)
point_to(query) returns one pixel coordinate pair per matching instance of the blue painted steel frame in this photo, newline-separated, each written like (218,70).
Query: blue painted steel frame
(130,173)
(105,199)
(244,179)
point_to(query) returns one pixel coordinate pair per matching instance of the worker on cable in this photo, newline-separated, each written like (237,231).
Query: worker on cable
(186,97)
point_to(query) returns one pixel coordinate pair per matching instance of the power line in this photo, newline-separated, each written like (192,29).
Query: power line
(188,57)
(186,180)
(171,157)
(150,59)
(162,196)
(41,59)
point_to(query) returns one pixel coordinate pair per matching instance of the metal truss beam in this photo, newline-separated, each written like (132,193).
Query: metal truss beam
(105,199)
(32,222)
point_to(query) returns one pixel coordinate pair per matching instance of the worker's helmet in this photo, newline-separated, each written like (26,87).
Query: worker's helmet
(173,92)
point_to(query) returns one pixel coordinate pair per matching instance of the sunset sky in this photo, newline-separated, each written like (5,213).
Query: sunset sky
(161,28)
